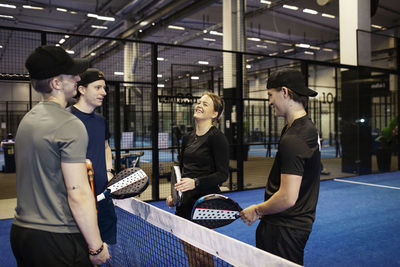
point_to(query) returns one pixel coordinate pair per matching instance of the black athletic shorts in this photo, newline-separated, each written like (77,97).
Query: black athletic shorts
(285,242)
(40,248)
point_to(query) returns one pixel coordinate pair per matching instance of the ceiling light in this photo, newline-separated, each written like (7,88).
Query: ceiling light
(248,66)
(328,16)
(376,26)
(160,85)
(204,31)
(310,11)
(327,49)
(120,73)
(140,30)
(99,27)
(290,7)
(61,9)
(315,47)
(1,46)
(303,45)
(270,42)
(255,39)
(265,2)
(203,62)
(144,23)
(288,50)
(159,75)
(61,41)
(73,12)
(309,52)
(93,54)
(286,44)
(273,54)
(6,16)
(32,7)
(209,39)
(195,77)
(57,44)
(7,6)
(66,36)
(176,27)
(153,24)
(70,52)
(105,18)
(91,15)
(216,33)
(160,59)
(262,46)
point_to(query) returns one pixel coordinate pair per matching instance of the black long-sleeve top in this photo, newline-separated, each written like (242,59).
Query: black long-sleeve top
(206,158)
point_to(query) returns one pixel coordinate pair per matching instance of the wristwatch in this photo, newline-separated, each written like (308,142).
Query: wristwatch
(196,182)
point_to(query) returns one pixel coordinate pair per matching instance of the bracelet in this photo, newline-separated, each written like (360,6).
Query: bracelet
(97,252)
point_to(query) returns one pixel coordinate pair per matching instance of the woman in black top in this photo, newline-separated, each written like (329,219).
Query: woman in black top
(204,156)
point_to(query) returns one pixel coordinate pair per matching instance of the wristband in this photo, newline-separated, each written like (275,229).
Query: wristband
(96,252)
(196,182)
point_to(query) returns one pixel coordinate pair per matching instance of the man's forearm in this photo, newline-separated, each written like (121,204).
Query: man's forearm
(84,212)
(82,202)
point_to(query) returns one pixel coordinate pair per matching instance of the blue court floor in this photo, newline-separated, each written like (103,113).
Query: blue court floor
(357,223)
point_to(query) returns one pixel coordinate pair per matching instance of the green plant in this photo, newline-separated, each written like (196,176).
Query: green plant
(388,134)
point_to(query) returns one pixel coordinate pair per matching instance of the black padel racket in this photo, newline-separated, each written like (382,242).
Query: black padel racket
(214,210)
(127,183)
(175,178)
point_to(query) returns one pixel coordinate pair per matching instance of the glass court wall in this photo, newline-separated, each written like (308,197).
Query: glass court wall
(152,89)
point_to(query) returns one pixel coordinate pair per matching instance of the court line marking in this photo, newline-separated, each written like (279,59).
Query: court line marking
(376,185)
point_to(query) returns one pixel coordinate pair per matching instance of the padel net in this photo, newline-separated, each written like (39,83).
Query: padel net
(149,236)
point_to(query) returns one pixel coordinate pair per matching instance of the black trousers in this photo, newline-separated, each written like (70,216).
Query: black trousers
(285,242)
(40,248)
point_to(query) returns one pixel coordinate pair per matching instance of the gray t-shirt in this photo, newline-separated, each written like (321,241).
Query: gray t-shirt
(47,136)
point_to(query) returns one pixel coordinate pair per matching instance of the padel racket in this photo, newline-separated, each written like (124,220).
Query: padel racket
(214,210)
(175,178)
(127,183)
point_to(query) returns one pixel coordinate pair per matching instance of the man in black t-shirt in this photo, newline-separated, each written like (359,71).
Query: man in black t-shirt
(291,193)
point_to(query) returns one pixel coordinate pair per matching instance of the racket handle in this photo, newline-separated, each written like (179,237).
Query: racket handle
(90,173)
(103,195)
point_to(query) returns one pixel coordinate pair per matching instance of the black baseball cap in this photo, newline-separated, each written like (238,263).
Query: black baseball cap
(89,76)
(292,79)
(50,61)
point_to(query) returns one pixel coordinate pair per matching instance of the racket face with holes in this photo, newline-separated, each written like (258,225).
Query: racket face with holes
(175,178)
(128,183)
(214,210)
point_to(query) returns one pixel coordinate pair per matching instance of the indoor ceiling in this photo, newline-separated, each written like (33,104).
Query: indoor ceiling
(150,20)
(275,27)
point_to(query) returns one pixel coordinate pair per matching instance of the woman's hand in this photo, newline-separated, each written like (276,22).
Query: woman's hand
(186,184)
(170,201)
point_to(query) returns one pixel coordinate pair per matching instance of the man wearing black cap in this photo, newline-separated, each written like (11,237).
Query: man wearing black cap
(55,218)
(91,92)
(291,194)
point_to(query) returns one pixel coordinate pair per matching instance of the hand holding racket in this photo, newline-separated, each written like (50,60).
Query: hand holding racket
(214,210)
(175,178)
(127,183)
(249,215)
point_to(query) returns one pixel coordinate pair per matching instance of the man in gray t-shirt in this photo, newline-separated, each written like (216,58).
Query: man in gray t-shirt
(55,220)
